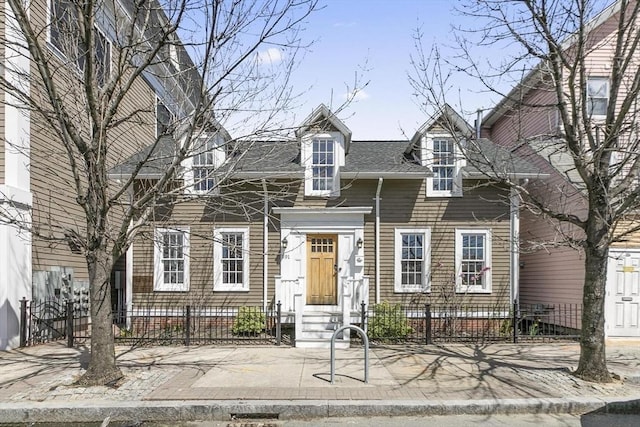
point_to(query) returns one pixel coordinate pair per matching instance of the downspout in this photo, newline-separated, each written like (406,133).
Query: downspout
(128,280)
(265,247)
(514,214)
(377,199)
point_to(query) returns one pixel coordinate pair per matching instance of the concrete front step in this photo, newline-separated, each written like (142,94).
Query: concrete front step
(318,328)
(320,343)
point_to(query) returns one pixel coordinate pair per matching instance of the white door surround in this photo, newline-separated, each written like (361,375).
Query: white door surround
(345,222)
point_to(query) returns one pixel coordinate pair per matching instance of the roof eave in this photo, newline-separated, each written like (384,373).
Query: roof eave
(516,175)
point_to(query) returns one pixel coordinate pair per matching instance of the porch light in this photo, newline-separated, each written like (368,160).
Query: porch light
(359,243)
(284,243)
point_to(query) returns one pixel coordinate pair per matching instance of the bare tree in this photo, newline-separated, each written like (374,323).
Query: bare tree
(89,62)
(549,49)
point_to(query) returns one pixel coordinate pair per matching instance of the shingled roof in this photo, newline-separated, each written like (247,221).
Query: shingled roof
(486,159)
(366,159)
(153,160)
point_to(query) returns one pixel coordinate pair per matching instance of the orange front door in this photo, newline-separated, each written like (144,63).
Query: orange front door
(321,269)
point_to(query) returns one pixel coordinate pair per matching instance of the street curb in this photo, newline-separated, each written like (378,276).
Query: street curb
(223,410)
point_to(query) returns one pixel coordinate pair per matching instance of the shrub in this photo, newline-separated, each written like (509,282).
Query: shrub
(249,321)
(388,321)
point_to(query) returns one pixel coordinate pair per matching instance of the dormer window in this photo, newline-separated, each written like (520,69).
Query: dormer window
(322,155)
(200,168)
(324,143)
(204,165)
(444,164)
(438,146)
(323,164)
(441,154)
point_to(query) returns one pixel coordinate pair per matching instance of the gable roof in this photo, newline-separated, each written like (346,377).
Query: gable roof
(323,116)
(444,114)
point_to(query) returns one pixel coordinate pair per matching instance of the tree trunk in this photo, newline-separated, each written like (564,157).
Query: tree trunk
(102,365)
(593,364)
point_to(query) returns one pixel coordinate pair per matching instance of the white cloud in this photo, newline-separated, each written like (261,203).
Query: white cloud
(270,56)
(356,95)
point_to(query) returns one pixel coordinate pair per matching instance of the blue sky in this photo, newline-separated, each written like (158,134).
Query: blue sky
(375,38)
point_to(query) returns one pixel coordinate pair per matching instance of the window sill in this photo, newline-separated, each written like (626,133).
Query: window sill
(166,289)
(229,289)
(472,290)
(412,290)
(323,195)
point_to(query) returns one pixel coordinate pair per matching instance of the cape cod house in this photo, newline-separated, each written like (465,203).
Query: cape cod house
(324,223)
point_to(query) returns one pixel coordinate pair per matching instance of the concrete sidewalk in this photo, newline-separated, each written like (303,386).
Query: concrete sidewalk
(217,382)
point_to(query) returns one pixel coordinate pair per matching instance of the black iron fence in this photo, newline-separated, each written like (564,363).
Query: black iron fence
(53,319)
(428,323)
(50,320)
(192,324)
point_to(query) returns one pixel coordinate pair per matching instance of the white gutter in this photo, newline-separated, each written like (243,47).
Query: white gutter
(265,247)
(377,199)
(514,216)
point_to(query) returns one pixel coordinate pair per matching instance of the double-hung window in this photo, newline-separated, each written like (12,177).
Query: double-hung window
(64,36)
(444,164)
(412,260)
(323,163)
(473,260)
(597,96)
(204,164)
(231,259)
(171,259)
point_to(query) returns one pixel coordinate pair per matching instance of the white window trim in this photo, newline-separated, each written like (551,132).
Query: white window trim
(158,268)
(306,158)
(217,260)
(426,273)
(460,162)
(474,289)
(588,98)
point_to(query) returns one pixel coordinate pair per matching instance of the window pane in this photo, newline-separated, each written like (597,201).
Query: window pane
(232,258)
(412,256)
(472,268)
(597,95)
(173,258)
(322,164)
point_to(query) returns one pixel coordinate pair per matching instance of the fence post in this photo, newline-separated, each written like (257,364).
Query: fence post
(515,321)
(278,323)
(23,322)
(363,316)
(187,327)
(69,324)
(427,323)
